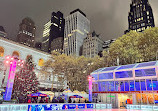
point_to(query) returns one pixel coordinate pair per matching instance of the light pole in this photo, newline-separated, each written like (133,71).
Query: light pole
(156,54)
(12,62)
(90,88)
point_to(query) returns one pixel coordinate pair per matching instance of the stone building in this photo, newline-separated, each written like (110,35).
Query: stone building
(10,48)
(26,34)
(92,45)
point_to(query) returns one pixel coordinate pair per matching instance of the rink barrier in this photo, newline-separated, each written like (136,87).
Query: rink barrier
(142,107)
(50,107)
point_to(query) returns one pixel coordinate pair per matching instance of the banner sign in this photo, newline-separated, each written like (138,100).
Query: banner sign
(69,106)
(47,107)
(90,106)
(80,106)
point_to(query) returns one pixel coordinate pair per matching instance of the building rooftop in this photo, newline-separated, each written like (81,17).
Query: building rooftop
(78,10)
(126,67)
(143,70)
(2,29)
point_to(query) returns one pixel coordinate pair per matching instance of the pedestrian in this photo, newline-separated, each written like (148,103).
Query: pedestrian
(29,100)
(60,100)
(53,100)
(41,101)
(85,101)
(79,101)
(69,101)
(1,99)
(33,100)
(20,99)
(63,101)
(47,100)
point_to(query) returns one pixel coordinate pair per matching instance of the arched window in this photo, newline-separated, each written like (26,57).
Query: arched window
(1,51)
(15,53)
(40,62)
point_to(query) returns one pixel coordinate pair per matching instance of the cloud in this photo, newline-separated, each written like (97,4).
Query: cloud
(108,17)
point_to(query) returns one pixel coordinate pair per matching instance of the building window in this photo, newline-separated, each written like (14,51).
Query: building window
(1,51)
(40,62)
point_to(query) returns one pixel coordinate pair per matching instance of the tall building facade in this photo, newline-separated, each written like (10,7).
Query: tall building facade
(140,16)
(76,28)
(46,34)
(2,32)
(53,34)
(56,31)
(92,45)
(26,34)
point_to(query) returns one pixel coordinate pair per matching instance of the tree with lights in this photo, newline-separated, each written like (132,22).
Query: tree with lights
(25,81)
(70,69)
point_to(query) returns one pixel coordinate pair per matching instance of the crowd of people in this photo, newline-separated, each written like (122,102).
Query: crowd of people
(28,99)
(54,100)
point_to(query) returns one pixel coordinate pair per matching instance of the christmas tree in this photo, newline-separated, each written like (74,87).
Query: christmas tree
(25,81)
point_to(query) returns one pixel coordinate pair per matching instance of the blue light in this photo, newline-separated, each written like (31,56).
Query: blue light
(152,85)
(123,74)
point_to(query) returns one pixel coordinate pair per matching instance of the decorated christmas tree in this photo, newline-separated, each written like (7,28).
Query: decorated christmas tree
(25,81)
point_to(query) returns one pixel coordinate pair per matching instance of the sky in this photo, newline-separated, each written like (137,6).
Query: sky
(109,18)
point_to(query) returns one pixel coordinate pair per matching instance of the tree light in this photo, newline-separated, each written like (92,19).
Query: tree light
(7,57)
(7,62)
(89,78)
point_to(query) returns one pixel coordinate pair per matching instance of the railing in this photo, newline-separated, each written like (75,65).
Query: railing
(143,107)
(50,107)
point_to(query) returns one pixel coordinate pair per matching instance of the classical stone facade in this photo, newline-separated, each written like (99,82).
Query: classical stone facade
(26,34)
(92,45)
(9,48)
(57,44)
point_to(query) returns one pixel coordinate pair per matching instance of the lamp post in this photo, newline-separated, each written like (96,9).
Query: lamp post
(156,54)
(12,62)
(90,88)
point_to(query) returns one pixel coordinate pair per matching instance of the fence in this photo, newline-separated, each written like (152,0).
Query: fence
(50,107)
(143,107)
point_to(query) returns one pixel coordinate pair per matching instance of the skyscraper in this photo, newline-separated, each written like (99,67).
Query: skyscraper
(140,16)
(92,45)
(53,34)
(46,34)
(2,32)
(26,34)
(56,39)
(77,26)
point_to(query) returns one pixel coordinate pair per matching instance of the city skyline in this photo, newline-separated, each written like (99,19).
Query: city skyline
(108,18)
